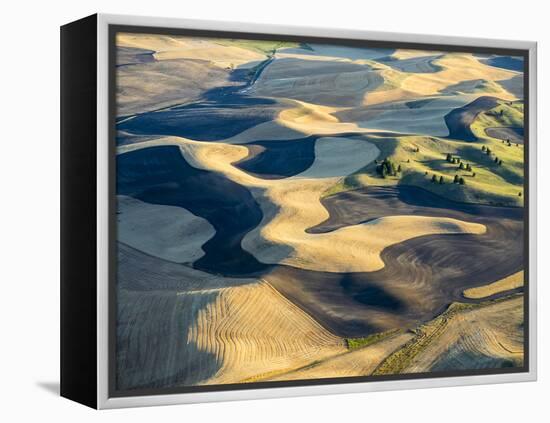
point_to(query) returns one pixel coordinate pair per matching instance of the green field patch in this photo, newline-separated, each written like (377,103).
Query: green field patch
(356,343)
(510,172)
(423,162)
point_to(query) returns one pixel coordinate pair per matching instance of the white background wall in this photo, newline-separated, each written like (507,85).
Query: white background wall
(29,223)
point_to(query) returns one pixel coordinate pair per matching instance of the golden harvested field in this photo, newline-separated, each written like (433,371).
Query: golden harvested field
(253,330)
(511,282)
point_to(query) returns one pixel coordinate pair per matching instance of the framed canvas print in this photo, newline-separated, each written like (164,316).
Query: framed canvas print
(255,211)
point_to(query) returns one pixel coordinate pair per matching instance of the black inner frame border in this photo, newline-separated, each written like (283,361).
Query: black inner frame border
(113,29)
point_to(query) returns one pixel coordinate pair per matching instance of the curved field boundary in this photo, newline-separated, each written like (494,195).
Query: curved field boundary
(136,221)
(509,283)
(459,120)
(278,159)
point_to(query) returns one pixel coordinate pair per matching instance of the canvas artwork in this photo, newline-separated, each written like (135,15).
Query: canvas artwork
(302,212)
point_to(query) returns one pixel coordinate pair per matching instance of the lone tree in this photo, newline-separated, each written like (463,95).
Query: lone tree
(441,181)
(473,174)
(434,178)
(399,168)
(455,181)
(426,173)
(519,194)
(483,148)
(449,157)
(461,181)
(500,162)
(469,167)
(461,167)
(496,160)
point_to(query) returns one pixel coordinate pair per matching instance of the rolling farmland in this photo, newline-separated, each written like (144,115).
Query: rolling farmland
(297,211)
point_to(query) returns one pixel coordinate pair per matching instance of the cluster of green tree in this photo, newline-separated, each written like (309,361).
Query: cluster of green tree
(466,167)
(451,159)
(509,143)
(459,180)
(441,180)
(435,179)
(456,160)
(387,168)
